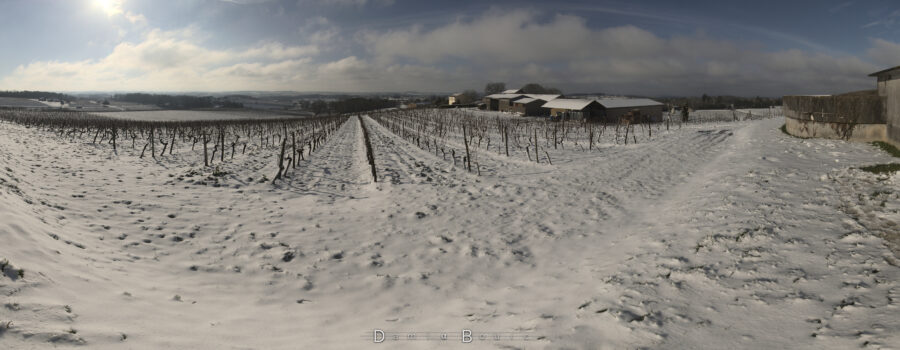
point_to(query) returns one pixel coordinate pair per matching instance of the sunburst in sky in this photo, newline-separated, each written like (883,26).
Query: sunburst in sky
(110,7)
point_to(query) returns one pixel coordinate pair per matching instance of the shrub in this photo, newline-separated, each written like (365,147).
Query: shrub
(889,148)
(882,168)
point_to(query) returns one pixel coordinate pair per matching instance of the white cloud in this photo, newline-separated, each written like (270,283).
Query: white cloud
(177,61)
(517,47)
(164,60)
(322,33)
(136,18)
(115,8)
(885,53)
(277,51)
(357,3)
(246,2)
(514,47)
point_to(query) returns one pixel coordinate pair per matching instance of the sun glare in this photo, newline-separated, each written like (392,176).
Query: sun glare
(110,7)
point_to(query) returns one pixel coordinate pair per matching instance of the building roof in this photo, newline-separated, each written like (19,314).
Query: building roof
(568,103)
(512,91)
(527,100)
(627,102)
(889,70)
(544,97)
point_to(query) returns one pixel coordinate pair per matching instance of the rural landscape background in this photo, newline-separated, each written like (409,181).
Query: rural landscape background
(346,174)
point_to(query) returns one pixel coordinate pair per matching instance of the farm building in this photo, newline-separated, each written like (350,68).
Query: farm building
(501,102)
(493,101)
(545,97)
(505,102)
(616,108)
(462,98)
(574,108)
(532,105)
(889,91)
(454,99)
(605,110)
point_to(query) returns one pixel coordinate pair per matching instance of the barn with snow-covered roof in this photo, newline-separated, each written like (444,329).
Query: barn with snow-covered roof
(606,110)
(615,108)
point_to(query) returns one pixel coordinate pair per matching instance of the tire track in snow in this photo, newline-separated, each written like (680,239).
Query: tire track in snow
(399,162)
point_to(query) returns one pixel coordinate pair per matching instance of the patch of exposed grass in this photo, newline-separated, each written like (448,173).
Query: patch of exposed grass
(881,192)
(219,173)
(889,148)
(882,168)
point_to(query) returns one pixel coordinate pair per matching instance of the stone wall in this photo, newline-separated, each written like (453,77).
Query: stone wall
(842,131)
(848,109)
(854,117)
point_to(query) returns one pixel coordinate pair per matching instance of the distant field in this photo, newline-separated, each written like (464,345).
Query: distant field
(169,115)
(129,106)
(20,102)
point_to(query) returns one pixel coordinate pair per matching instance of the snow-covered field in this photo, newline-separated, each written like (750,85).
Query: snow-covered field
(725,235)
(20,103)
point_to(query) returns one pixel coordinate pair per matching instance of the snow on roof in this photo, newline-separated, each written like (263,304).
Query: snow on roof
(568,103)
(545,97)
(627,102)
(527,100)
(511,91)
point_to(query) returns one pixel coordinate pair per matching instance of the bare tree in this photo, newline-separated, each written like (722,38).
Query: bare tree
(494,88)
(468,96)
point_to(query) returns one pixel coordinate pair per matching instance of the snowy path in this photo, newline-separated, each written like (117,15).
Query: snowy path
(712,236)
(337,168)
(753,246)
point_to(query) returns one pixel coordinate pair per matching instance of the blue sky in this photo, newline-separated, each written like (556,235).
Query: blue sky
(653,48)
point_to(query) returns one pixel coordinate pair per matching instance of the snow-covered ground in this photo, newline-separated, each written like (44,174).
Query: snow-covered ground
(20,103)
(726,235)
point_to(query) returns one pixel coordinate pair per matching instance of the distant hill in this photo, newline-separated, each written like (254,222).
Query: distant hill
(37,95)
